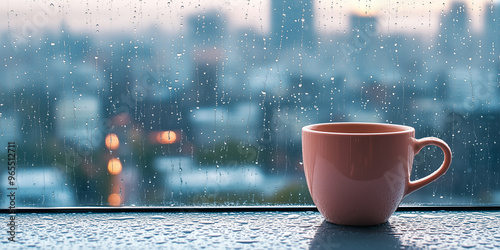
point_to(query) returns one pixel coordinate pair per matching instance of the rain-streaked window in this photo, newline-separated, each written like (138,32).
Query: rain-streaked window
(181,103)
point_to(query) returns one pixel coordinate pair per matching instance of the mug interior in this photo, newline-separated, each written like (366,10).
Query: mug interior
(359,128)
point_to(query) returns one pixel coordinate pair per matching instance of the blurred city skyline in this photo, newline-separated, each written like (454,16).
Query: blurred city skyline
(171,16)
(145,117)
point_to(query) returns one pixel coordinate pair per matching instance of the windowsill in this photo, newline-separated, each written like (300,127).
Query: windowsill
(261,228)
(211,209)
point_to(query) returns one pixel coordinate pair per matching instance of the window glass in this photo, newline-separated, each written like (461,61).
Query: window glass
(180,103)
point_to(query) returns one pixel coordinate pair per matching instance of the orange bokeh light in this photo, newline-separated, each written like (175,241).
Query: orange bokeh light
(166,137)
(114,166)
(112,141)
(114,200)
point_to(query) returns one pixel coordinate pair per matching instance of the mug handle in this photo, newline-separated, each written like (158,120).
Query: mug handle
(418,145)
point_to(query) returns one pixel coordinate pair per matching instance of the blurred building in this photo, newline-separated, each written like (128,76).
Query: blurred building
(492,32)
(9,128)
(41,186)
(214,124)
(187,182)
(454,41)
(78,119)
(292,24)
(207,51)
(363,29)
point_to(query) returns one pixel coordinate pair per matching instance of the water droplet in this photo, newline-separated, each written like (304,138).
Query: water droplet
(122,218)
(158,217)
(408,215)
(468,244)
(207,222)
(247,241)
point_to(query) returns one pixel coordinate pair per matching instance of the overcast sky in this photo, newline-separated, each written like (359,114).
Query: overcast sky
(330,16)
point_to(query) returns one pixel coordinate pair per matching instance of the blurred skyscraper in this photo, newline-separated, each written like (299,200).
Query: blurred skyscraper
(363,27)
(207,38)
(292,24)
(360,46)
(208,28)
(454,34)
(492,30)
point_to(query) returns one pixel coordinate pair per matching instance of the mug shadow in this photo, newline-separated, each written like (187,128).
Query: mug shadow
(332,236)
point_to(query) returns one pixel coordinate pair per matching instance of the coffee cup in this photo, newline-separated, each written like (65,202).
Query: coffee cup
(358,173)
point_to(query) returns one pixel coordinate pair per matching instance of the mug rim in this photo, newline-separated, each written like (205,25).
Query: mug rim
(399,129)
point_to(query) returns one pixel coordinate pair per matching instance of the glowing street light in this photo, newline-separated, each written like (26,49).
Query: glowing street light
(114,200)
(114,166)
(166,137)
(112,142)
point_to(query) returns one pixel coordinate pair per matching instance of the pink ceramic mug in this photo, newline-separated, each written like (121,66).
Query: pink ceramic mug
(358,173)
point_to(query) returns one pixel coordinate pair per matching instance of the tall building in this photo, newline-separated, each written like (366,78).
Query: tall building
(292,24)
(492,30)
(360,45)
(363,31)
(207,28)
(207,38)
(454,35)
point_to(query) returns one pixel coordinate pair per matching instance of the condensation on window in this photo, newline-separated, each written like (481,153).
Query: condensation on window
(182,103)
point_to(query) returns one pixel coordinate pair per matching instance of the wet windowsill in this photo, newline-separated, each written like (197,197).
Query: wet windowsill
(245,229)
